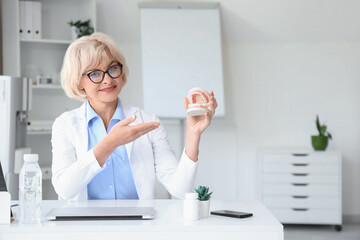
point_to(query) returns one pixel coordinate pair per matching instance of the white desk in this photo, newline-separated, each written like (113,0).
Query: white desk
(168,224)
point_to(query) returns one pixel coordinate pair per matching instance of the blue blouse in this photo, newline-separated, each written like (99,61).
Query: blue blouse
(115,181)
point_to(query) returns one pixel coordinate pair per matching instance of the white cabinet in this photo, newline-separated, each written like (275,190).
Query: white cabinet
(302,187)
(26,57)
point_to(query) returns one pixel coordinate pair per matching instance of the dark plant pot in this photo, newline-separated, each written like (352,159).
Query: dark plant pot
(319,143)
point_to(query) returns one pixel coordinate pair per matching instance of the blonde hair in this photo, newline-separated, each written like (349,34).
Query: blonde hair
(85,54)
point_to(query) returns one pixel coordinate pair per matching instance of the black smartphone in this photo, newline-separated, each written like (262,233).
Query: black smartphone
(234,214)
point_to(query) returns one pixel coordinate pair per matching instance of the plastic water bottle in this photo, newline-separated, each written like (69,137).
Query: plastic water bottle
(30,190)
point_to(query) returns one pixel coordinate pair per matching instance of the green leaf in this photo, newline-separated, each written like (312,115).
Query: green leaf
(329,136)
(318,124)
(323,130)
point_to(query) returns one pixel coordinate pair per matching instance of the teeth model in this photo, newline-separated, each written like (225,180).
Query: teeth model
(198,100)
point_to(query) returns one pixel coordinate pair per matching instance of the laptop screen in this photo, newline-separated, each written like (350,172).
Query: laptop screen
(2,180)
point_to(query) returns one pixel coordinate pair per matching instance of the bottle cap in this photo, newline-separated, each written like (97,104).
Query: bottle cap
(191,196)
(31,157)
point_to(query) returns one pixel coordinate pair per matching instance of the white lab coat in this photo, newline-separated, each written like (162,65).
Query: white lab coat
(73,166)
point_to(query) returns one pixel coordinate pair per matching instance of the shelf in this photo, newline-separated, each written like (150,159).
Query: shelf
(49,86)
(39,132)
(54,41)
(39,127)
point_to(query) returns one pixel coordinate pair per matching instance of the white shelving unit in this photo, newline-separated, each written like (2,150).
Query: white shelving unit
(302,187)
(32,57)
(29,57)
(56,34)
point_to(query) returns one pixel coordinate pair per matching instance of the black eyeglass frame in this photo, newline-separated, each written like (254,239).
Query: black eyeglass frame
(107,71)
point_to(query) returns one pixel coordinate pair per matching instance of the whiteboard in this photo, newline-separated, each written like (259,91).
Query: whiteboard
(181,49)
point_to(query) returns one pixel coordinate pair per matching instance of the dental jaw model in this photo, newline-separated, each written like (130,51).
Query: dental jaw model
(198,100)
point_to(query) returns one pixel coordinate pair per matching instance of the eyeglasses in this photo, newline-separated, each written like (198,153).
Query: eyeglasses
(98,76)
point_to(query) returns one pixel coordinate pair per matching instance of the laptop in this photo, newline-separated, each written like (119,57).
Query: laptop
(3,185)
(100,213)
(2,180)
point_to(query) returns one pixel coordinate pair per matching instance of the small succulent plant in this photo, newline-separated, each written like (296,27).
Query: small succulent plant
(203,193)
(322,129)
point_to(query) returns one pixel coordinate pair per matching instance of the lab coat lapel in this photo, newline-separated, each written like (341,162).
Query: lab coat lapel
(82,128)
(129,149)
(129,111)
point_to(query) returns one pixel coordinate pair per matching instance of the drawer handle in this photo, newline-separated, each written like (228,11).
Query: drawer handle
(300,174)
(300,209)
(300,184)
(300,164)
(300,197)
(300,154)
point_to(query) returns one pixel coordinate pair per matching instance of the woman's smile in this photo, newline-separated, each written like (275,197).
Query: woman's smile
(108,89)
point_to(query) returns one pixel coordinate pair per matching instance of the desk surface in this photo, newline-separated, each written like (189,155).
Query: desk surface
(168,223)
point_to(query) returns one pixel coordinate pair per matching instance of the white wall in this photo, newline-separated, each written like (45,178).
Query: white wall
(284,62)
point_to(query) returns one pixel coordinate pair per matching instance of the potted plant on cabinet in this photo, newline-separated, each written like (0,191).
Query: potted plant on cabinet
(320,142)
(80,28)
(204,200)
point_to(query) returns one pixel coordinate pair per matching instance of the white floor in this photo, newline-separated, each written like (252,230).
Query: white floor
(350,231)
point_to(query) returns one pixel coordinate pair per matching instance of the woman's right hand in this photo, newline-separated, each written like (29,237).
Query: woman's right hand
(122,133)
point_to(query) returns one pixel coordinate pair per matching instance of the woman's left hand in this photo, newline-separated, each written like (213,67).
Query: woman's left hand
(198,124)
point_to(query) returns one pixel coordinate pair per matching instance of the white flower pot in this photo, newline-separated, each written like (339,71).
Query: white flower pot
(204,208)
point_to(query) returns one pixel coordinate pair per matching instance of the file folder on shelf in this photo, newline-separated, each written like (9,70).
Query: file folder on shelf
(36,13)
(22,19)
(28,20)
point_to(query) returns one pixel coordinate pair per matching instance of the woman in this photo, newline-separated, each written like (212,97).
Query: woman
(106,149)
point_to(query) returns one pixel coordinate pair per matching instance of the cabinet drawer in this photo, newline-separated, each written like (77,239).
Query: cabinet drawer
(300,168)
(300,177)
(302,201)
(297,189)
(309,216)
(313,158)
